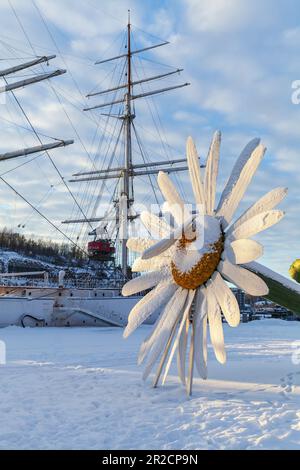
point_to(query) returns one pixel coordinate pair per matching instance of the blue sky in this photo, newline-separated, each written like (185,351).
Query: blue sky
(240,56)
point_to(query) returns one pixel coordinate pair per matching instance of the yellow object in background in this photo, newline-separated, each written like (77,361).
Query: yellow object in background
(295,270)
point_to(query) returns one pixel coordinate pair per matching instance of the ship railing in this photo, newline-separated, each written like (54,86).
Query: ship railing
(25,278)
(69,281)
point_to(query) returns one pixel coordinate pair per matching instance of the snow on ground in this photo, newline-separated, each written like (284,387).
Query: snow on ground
(80,388)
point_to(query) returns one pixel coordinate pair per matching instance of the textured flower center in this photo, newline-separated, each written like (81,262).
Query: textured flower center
(193,265)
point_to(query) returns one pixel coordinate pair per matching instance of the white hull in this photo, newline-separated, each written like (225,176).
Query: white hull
(65,307)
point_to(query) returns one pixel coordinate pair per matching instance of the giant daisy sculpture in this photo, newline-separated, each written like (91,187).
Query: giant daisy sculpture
(189,266)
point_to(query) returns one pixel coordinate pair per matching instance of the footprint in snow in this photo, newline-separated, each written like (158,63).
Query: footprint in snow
(288,383)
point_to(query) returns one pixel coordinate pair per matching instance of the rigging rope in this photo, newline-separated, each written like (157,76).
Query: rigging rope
(33,129)
(86,195)
(22,164)
(89,194)
(41,214)
(164,145)
(48,155)
(14,124)
(143,156)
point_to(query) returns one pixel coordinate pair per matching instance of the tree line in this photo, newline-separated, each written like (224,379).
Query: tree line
(57,252)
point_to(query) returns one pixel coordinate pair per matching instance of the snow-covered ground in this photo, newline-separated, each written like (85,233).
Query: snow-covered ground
(65,388)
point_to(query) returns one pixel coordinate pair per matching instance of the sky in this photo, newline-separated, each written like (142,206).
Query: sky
(240,56)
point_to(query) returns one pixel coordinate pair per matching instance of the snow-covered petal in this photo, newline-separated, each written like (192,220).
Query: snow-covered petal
(138,245)
(149,340)
(238,166)
(171,196)
(239,180)
(244,279)
(165,209)
(200,337)
(189,383)
(153,264)
(164,244)
(153,335)
(156,226)
(181,353)
(211,173)
(187,308)
(215,325)
(159,247)
(226,299)
(159,325)
(144,282)
(149,303)
(265,203)
(257,224)
(195,172)
(243,251)
(178,213)
(171,315)
(168,189)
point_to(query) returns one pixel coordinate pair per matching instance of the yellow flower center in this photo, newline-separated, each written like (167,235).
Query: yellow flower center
(192,267)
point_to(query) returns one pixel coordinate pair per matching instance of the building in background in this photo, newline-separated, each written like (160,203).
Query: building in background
(252,308)
(240,297)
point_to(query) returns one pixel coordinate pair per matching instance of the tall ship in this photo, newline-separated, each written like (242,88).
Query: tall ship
(114,211)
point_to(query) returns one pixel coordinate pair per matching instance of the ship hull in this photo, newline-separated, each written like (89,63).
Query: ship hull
(65,307)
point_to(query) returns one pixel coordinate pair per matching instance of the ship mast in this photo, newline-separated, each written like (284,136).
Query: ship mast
(126,173)
(125,199)
(10,87)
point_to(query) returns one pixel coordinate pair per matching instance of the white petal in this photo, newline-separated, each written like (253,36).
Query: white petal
(265,203)
(168,189)
(243,279)
(226,300)
(144,282)
(236,171)
(195,172)
(166,243)
(156,226)
(153,264)
(149,303)
(160,324)
(139,245)
(190,375)
(172,313)
(180,214)
(187,308)
(148,341)
(239,180)
(211,173)
(257,224)
(243,251)
(215,325)
(200,338)
(181,353)
(159,247)
(171,196)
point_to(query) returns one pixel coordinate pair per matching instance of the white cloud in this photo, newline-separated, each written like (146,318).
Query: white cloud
(291,36)
(218,15)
